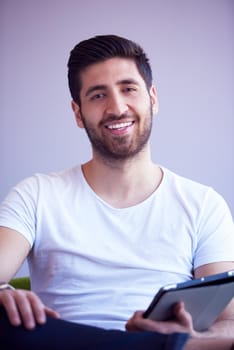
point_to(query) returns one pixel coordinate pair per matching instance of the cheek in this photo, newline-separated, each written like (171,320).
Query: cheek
(91,114)
(144,108)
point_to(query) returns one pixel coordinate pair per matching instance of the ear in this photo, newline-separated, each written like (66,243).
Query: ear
(154,99)
(76,110)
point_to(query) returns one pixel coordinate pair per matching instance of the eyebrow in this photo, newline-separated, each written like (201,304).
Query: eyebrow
(95,88)
(102,87)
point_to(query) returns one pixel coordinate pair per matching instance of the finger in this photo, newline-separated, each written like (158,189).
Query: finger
(33,311)
(52,313)
(9,304)
(26,304)
(131,324)
(24,307)
(138,323)
(182,315)
(38,308)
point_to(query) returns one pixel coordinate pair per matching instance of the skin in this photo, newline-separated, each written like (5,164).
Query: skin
(115,104)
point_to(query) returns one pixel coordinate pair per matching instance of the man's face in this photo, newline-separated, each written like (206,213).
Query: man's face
(116,108)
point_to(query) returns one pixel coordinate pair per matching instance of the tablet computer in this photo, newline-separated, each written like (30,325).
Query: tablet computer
(204,299)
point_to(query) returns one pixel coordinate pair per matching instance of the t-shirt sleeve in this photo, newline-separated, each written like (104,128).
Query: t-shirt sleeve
(215,239)
(18,209)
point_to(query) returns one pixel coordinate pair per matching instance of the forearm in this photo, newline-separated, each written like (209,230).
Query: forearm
(221,328)
(209,344)
(218,337)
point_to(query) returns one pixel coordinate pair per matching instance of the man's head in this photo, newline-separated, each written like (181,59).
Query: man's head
(113,97)
(101,48)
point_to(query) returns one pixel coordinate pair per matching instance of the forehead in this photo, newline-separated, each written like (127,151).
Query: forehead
(110,72)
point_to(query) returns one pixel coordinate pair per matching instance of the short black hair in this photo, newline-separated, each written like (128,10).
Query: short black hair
(101,48)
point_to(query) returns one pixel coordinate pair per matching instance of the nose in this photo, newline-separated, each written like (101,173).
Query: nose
(116,105)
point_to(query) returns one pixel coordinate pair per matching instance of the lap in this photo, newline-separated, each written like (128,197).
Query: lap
(60,334)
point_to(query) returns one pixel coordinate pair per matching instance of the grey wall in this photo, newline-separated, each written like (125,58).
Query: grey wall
(190,44)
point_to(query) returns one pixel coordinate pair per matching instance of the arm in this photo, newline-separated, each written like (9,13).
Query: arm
(210,344)
(224,325)
(14,249)
(20,305)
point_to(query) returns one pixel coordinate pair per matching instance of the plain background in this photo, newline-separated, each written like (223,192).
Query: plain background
(191,48)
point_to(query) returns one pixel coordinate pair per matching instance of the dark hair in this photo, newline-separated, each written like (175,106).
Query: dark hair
(101,48)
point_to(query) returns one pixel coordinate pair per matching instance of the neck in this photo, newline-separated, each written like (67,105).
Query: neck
(123,183)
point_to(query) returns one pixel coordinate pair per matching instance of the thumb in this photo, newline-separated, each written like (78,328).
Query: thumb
(182,315)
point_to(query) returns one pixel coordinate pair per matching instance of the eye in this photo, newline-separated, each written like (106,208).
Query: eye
(128,89)
(97,96)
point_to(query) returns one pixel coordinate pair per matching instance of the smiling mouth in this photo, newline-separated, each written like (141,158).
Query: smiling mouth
(119,126)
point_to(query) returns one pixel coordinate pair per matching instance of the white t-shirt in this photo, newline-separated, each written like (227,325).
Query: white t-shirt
(96,264)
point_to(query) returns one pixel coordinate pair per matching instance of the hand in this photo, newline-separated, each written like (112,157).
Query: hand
(182,323)
(25,307)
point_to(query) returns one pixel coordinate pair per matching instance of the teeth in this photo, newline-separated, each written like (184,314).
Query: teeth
(119,126)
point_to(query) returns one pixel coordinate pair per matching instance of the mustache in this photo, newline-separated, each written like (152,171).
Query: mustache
(117,118)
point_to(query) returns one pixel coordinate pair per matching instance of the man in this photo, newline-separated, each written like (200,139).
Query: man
(102,237)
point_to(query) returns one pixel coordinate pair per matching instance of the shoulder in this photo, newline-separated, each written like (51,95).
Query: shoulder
(41,185)
(183,185)
(52,179)
(193,193)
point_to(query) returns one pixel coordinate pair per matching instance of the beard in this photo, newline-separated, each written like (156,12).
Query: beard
(119,148)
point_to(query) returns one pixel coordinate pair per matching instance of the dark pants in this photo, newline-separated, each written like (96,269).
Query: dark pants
(58,334)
